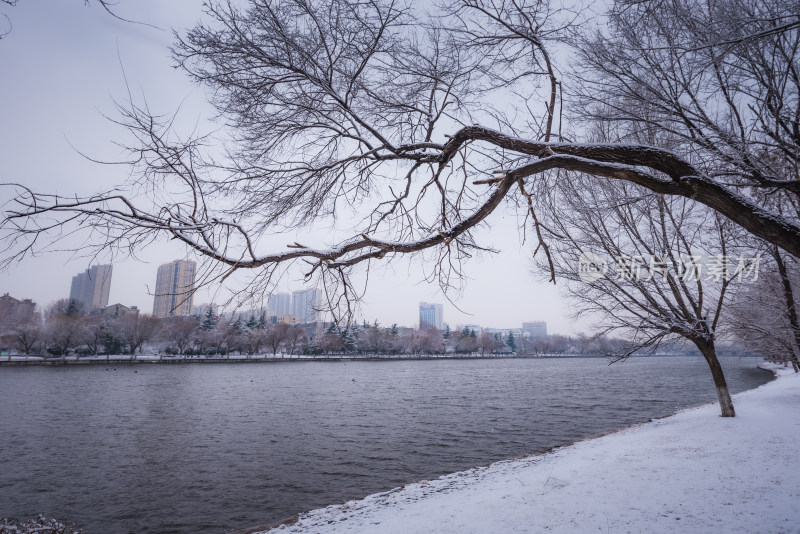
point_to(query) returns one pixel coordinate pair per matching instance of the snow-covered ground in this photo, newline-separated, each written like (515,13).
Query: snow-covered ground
(691,472)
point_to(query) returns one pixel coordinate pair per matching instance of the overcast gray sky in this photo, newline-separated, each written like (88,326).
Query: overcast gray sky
(63,65)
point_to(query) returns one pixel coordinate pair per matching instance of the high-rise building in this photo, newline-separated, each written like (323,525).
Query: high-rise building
(305,305)
(90,289)
(430,315)
(535,329)
(279,304)
(174,289)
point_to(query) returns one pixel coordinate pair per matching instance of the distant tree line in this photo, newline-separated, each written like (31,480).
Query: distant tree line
(65,328)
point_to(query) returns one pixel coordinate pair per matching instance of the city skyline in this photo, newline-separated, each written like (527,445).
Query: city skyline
(116,59)
(534,329)
(602,199)
(281,303)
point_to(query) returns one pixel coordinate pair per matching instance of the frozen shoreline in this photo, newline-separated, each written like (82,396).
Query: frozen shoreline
(690,472)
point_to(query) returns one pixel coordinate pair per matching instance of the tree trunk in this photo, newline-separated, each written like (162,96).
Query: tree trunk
(725,402)
(791,308)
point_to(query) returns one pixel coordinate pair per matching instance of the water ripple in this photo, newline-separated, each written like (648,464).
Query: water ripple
(202,448)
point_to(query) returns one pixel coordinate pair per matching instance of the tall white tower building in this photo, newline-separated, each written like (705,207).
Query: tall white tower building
(305,305)
(174,289)
(280,304)
(91,288)
(430,315)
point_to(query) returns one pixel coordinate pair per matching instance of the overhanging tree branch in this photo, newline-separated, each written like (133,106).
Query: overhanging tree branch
(414,129)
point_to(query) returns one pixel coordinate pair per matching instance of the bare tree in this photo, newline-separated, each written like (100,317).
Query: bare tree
(788,274)
(430,340)
(330,341)
(203,339)
(715,81)
(651,268)
(231,338)
(218,340)
(276,336)
(92,331)
(63,307)
(424,125)
(488,342)
(554,344)
(179,331)
(467,340)
(26,337)
(137,329)
(764,314)
(373,338)
(254,340)
(294,336)
(61,334)
(19,321)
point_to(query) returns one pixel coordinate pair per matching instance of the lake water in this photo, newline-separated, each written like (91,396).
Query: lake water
(212,447)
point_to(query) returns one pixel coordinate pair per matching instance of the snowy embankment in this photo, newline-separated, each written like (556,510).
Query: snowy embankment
(692,472)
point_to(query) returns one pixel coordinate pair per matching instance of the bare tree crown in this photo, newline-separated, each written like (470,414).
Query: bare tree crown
(419,125)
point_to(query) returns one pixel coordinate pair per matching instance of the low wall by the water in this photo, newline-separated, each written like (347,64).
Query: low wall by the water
(163,359)
(262,359)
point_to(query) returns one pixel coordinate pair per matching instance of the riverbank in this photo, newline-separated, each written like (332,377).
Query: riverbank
(257,358)
(690,472)
(272,358)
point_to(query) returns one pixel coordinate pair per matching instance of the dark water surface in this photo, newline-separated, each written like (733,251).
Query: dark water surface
(207,448)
